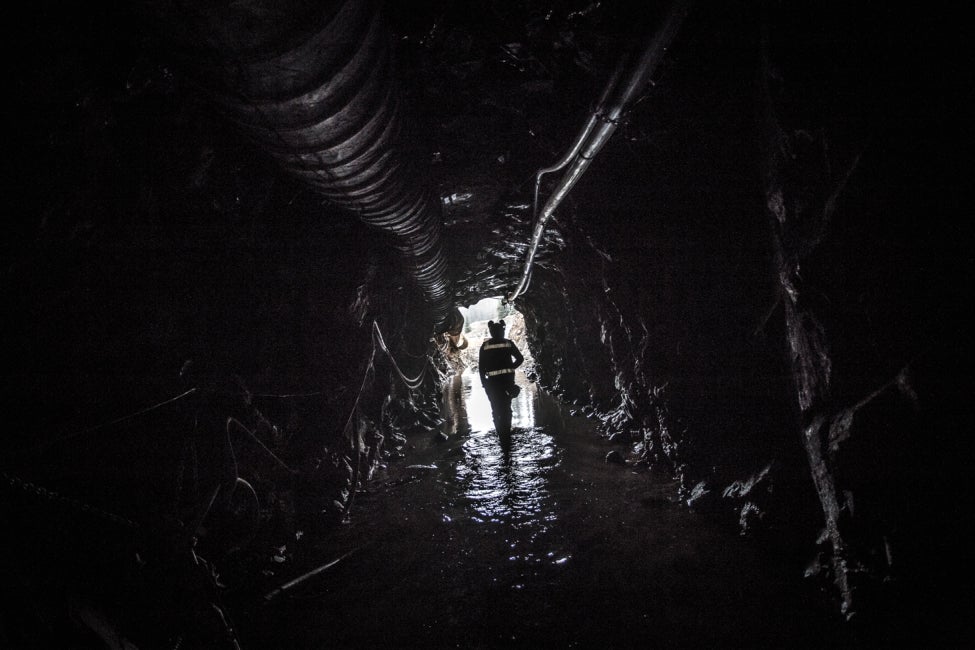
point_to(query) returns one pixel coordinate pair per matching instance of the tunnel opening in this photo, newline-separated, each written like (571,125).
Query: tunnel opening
(476,318)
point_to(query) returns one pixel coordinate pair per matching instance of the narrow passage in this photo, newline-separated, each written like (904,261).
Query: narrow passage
(459,545)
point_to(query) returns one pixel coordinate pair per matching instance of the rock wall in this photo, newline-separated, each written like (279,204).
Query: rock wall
(759,285)
(184,331)
(754,300)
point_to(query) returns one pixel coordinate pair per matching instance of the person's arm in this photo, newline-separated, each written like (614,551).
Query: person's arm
(516,353)
(480,365)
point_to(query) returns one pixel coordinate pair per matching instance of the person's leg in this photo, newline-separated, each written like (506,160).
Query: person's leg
(503,408)
(500,405)
(491,388)
(509,383)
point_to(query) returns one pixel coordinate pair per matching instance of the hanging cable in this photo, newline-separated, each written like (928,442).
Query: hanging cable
(44,446)
(581,138)
(412,383)
(601,126)
(257,441)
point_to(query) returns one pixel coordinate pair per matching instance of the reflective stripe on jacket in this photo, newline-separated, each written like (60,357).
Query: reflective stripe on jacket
(496,346)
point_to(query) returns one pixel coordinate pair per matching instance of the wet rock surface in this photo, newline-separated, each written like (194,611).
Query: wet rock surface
(540,548)
(757,291)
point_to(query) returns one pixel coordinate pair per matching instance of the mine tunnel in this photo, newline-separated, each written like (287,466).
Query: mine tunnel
(252,251)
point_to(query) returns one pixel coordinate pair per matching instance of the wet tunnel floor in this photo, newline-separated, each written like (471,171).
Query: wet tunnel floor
(461,545)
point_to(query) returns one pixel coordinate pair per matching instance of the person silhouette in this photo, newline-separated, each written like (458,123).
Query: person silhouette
(496,363)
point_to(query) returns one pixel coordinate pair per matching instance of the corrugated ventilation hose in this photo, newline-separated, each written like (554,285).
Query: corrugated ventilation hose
(314,87)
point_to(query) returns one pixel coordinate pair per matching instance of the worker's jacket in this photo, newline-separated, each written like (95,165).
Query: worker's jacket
(498,357)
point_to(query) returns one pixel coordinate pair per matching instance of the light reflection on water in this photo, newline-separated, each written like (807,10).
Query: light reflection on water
(546,546)
(510,486)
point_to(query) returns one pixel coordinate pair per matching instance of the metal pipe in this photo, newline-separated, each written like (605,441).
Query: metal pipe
(581,139)
(593,139)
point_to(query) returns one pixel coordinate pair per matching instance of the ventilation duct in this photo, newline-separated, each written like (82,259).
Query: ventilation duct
(313,85)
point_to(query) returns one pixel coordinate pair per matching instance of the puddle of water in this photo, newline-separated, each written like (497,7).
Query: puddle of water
(465,544)
(502,484)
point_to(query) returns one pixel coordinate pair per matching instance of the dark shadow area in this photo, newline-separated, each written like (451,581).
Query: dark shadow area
(237,233)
